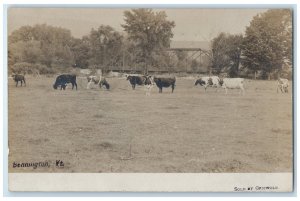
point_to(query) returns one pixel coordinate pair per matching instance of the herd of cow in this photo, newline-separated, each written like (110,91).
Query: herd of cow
(149,81)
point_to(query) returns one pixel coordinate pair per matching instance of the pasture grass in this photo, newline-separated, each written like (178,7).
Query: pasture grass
(123,130)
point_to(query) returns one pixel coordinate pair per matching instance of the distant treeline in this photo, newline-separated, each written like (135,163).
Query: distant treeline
(265,48)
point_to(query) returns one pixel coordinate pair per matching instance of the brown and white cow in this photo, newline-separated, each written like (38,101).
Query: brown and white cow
(101,81)
(142,80)
(208,81)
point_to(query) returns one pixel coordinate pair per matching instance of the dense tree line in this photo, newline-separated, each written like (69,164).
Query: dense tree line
(265,47)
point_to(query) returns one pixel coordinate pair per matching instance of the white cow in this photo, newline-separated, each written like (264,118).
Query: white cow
(209,81)
(283,85)
(233,83)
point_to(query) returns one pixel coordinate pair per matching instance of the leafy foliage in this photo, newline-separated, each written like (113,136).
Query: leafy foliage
(268,42)
(105,46)
(150,33)
(266,47)
(42,44)
(226,52)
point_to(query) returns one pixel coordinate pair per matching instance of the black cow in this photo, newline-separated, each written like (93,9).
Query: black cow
(19,78)
(165,82)
(63,80)
(138,80)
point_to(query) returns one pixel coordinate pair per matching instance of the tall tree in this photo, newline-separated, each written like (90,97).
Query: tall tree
(226,52)
(150,31)
(80,49)
(105,46)
(268,41)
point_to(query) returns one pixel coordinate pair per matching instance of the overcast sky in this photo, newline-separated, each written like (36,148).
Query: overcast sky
(191,24)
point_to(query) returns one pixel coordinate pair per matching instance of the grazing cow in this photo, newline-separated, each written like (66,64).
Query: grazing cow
(213,81)
(97,80)
(63,80)
(283,85)
(232,83)
(165,82)
(92,79)
(19,78)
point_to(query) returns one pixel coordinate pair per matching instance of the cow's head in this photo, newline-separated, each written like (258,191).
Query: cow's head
(128,77)
(148,79)
(200,81)
(105,83)
(54,86)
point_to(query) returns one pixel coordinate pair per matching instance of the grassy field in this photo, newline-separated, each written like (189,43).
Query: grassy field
(122,130)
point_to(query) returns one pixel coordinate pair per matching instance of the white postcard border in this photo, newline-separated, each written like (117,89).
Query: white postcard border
(152,182)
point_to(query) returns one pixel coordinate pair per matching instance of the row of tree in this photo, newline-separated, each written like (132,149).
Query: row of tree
(266,46)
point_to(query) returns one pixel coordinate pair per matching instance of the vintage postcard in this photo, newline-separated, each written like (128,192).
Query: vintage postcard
(150,99)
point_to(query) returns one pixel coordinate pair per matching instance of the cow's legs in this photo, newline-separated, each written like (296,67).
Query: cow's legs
(24,82)
(16,83)
(75,85)
(160,89)
(217,89)
(88,85)
(173,86)
(226,91)
(243,90)
(21,83)
(281,88)
(147,90)
(133,86)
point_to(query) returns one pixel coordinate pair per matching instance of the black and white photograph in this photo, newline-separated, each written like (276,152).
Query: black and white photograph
(119,91)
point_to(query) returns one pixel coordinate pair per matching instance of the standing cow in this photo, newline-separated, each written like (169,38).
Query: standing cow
(165,82)
(143,80)
(136,80)
(283,85)
(233,83)
(19,78)
(63,80)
